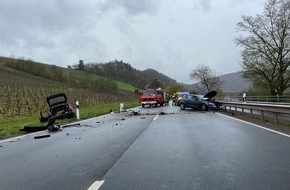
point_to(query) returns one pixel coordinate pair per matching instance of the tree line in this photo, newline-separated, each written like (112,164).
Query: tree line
(119,70)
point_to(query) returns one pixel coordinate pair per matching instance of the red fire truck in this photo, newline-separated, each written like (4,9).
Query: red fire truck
(152,97)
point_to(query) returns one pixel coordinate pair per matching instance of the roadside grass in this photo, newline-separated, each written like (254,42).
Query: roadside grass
(90,112)
(10,127)
(125,87)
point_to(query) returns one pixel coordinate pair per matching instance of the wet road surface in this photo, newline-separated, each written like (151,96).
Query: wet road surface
(173,150)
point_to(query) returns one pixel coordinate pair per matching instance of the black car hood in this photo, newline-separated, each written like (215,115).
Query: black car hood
(56,99)
(211,94)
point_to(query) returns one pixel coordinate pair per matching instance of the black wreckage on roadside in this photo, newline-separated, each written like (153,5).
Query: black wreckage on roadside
(59,108)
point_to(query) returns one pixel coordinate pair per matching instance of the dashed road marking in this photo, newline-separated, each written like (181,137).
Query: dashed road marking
(96,185)
(155,117)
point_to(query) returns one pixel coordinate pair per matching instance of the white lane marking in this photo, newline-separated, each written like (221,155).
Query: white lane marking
(20,137)
(259,126)
(155,117)
(96,185)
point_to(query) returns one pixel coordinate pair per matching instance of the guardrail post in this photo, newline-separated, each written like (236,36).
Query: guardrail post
(276,118)
(262,115)
(274,110)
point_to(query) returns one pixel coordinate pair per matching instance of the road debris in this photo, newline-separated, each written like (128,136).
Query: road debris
(53,128)
(70,125)
(33,129)
(132,113)
(41,136)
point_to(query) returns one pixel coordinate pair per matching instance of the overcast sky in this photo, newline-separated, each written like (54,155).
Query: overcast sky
(170,36)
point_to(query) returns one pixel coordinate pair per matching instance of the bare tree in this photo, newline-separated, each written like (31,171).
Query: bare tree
(266,46)
(206,76)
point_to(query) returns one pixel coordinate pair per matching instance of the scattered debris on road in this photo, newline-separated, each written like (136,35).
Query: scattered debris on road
(41,136)
(71,125)
(53,128)
(33,129)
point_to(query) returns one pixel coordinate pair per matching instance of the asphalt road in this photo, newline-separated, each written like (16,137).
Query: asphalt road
(174,150)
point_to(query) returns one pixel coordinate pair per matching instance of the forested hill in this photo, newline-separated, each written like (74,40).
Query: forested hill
(110,76)
(118,70)
(101,76)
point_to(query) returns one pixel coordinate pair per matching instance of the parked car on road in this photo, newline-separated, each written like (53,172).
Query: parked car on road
(199,102)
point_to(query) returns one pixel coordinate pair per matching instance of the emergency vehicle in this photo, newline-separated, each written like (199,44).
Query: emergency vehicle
(152,97)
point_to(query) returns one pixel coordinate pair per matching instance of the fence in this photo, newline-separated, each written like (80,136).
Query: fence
(279,99)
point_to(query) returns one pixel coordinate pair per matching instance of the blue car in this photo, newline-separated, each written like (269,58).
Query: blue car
(198,102)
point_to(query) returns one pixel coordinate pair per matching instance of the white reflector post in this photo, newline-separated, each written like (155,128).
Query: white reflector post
(77,110)
(121,107)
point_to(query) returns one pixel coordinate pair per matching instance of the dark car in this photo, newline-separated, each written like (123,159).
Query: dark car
(58,108)
(199,102)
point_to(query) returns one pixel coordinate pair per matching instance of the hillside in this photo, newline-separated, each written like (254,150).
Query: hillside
(118,70)
(111,76)
(232,82)
(65,77)
(24,85)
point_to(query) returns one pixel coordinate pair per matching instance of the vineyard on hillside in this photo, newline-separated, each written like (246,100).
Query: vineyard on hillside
(24,94)
(27,101)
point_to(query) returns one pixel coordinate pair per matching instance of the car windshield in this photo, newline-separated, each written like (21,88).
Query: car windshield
(195,96)
(149,92)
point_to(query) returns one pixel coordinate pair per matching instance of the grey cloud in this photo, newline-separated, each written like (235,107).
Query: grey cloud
(38,24)
(204,5)
(49,17)
(160,34)
(132,7)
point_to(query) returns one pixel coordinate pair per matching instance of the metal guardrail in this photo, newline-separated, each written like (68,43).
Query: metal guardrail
(262,107)
(280,99)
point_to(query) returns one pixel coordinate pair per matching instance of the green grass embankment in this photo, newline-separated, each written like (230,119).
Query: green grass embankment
(10,127)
